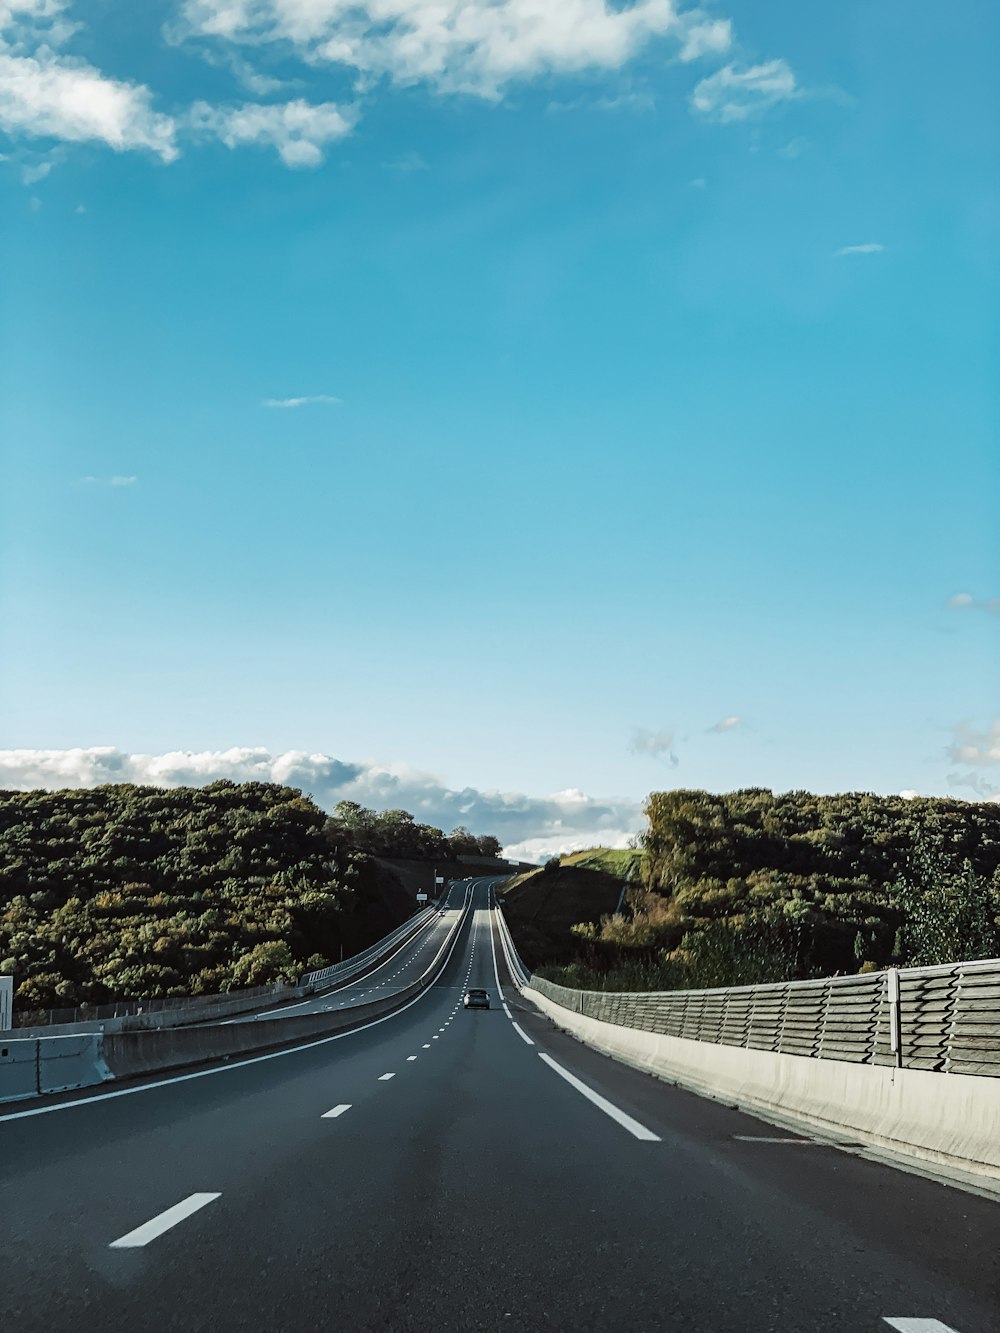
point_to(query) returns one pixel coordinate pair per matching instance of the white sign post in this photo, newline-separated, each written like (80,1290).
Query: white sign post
(6,1003)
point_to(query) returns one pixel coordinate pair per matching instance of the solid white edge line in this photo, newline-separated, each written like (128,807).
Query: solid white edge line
(626,1121)
(918,1325)
(233,1064)
(336,1111)
(521,1033)
(156,1226)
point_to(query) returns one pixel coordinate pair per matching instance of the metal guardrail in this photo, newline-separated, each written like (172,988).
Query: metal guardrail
(944,1019)
(88,1013)
(226,1001)
(520,974)
(324,976)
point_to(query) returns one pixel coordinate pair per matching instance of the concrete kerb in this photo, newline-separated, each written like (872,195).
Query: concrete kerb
(946,1126)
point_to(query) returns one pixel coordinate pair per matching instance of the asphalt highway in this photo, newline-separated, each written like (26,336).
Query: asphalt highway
(451,1170)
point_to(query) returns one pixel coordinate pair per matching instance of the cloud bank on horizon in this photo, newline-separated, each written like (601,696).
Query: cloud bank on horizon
(531,828)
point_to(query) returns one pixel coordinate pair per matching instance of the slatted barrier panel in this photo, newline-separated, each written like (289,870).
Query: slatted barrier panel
(949,1016)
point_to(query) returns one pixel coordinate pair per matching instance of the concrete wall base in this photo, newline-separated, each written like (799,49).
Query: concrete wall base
(943,1125)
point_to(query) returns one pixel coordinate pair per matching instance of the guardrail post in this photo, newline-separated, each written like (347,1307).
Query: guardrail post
(892,996)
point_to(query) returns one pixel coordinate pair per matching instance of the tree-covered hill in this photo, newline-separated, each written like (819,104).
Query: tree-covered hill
(752,886)
(133,892)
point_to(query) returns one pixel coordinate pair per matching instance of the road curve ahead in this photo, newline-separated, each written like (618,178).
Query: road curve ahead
(462,1170)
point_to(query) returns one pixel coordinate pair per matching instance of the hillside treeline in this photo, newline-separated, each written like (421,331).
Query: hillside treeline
(395,833)
(134,892)
(752,886)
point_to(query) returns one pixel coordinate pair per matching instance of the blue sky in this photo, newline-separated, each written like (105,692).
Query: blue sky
(648,358)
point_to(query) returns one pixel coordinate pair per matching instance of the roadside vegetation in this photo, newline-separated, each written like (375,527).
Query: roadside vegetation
(751,887)
(137,892)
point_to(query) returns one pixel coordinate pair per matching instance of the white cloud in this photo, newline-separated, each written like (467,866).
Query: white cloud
(32,174)
(474,46)
(91,480)
(299,130)
(655,744)
(794,148)
(305,401)
(976,747)
(45,93)
(553,824)
(712,37)
(868,248)
(733,94)
(965,600)
(408,162)
(986,791)
(726,724)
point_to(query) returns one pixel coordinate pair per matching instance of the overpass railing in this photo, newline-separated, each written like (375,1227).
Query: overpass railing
(945,1019)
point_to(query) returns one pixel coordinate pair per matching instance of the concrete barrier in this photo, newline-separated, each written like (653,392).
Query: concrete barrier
(18,1069)
(70,1062)
(950,1123)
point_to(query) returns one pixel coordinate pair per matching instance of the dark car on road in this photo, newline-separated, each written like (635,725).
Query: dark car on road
(476,999)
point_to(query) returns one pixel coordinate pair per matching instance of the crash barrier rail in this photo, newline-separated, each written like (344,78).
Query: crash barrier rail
(521,975)
(95,1013)
(337,971)
(175,1011)
(943,1019)
(33,1066)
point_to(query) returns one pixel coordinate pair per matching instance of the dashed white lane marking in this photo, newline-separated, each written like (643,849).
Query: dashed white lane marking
(435,1037)
(521,1033)
(335,1111)
(411,1057)
(156,1226)
(426,1046)
(384,1078)
(918,1325)
(626,1121)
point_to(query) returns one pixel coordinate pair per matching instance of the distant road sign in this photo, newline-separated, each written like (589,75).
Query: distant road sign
(439,879)
(421,897)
